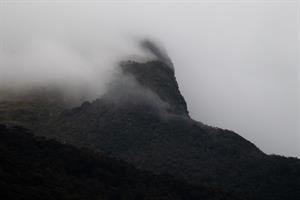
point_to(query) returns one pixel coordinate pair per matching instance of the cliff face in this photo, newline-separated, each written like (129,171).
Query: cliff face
(159,78)
(169,141)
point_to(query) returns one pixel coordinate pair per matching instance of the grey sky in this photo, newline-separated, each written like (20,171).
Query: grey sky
(235,61)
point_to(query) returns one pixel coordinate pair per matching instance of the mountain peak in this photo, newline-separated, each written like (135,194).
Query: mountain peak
(158,51)
(160,78)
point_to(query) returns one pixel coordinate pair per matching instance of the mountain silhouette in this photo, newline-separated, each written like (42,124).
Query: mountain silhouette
(146,123)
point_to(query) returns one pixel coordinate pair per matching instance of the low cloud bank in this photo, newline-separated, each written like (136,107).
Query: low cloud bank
(57,64)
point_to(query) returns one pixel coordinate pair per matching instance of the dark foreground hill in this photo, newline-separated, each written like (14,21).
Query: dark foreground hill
(148,125)
(35,168)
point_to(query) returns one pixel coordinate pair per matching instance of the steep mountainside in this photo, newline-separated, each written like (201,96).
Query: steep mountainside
(35,168)
(167,140)
(160,79)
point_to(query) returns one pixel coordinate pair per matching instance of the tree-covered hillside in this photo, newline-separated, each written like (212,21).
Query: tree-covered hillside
(35,168)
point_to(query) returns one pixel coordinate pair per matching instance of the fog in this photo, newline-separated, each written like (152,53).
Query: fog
(235,61)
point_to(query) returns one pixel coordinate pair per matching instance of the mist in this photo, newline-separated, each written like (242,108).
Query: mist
(235,62)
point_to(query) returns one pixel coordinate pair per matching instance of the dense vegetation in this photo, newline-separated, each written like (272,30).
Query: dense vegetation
(35,168)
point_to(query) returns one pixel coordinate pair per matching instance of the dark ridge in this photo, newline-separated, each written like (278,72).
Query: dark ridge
(36,168)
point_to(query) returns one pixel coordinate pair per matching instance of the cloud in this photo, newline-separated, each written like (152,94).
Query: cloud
(156,49)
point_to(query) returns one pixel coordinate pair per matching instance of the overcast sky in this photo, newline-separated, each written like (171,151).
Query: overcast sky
(235,61)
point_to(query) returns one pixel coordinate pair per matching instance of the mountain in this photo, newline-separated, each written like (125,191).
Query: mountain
(143,120)
(35,168)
